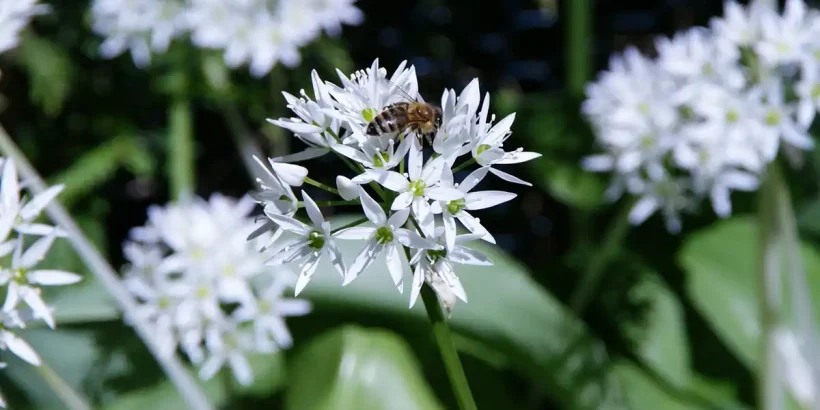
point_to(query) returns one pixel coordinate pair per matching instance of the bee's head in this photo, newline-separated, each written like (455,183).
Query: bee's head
(437,117)
(371,129)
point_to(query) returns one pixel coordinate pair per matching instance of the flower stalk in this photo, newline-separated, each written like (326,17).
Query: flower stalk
(181,166)
(449,354)
(771,198)
(96,263)
(70,398)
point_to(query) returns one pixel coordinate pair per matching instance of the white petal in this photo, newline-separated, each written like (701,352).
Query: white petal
(499,130)
(598,163)
(308,153)
(415,160)
(402,201)
(418,281)
(37,229)
(413,240)
(36,252)
(355,233)
(49,277)
(389,179)
(365,257)
(642,210)
(468,256)
(399,218)
(20,348)
(348,189)
(517,157)
(312,209)
(509,178)
(33,208)
(6,222)
(293,307)
(295,126)
(395,264)
(211,366)
(473,179)
(441,193)
(474,225)
(372,209)
(37,305)
(486,199)
(308,268)
(490,156)
(335,257)
(7,247)
(353,154)
(289,224)
(449,230)
(9,187)
(291,174)
(424,215)
(290,253)
(241,368)
(431,173)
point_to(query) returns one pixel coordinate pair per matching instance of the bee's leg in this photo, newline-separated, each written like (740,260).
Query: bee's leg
(429,137)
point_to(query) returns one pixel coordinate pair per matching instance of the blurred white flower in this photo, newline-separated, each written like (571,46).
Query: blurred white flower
(21,276)
(797,371)
(260,33)
(201,282)
(706,117)
(14,17)
(403,216)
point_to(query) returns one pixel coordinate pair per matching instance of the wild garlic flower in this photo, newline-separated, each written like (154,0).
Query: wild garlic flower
(797,371)
(411,213)
(259,33)
(23,245)
(708,114)
(14,17)
(205,287)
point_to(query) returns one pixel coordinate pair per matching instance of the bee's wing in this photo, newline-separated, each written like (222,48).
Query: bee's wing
(405,94)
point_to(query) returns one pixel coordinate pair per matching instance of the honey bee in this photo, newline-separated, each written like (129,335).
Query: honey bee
(414,116)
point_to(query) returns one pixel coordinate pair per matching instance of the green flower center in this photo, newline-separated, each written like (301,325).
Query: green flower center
(647,141)
(481,148)
(384,235)
(708,70)
(202,292)
(369,113)
(316,240)
(773,118)
(815,91)
(455,206)
(436,255)
(686,112)
(643,108)
(417,188)
(732,116)
(197,254)
(164,302)
(380,159)
(265,306)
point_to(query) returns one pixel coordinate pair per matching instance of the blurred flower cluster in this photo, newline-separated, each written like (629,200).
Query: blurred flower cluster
(708,115)
(14,16)
(258,32)
(19,275)
(412,220)
(206,288)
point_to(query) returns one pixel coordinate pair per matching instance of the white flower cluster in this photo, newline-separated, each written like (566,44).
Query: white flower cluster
(258,32)
(14,17)
(334,119)
(205,287)
(19,274)
(708,114)
(797,371)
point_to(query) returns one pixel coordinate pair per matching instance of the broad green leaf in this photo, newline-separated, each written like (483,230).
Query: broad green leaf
(269,376)
(721,263)
(70,353)
(352,368)
(507,311)
(574,186)
(50,71)
(663,344)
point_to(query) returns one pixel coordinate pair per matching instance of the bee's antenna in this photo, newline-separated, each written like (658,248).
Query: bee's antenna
(404,92)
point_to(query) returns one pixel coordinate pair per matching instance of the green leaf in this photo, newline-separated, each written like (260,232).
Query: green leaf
(352,368)
(507,311)
(50,72)
(269,376)
(721,263)
(664,345)
(573,186)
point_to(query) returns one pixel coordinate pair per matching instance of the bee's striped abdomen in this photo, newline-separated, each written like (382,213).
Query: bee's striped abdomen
(389,121)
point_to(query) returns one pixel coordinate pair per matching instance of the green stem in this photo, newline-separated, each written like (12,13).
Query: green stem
(591,276)
(70,398)
(181,148)
(401,163)
(444,339)
(332,203)
(350,225)
(770,392)
(318,184)
(578,34)
(464,164)
(96,264)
